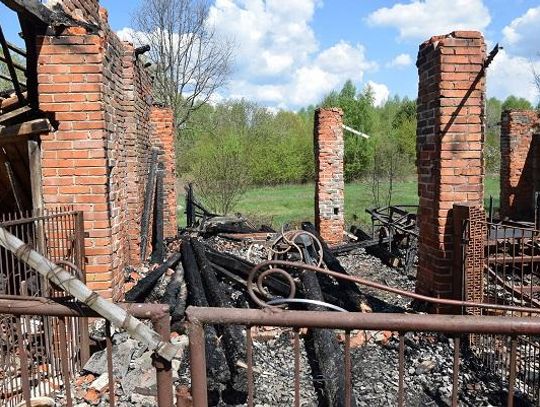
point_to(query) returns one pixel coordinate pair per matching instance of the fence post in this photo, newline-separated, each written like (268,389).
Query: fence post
(162,325)
(470,228)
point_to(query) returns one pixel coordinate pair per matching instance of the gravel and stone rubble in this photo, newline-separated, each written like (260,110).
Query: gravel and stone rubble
(428,357)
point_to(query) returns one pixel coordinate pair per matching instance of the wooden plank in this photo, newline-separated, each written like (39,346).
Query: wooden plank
(32,9)
(10,102)
(34,158)
(14,114)
(27,128)
(11,66)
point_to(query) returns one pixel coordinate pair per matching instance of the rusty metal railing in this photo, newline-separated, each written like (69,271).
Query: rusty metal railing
(509,275)
(20,310)
(447,324)
(58,234)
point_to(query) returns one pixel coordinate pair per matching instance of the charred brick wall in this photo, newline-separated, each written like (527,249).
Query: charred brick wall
(450,137)
(329,187)
(519,163)
(99,96)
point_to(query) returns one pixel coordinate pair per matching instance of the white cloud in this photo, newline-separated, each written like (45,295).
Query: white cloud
(380,92)
(278,59)
(400,61)
(421,19)
(126,34)
(520,37)
(512,75)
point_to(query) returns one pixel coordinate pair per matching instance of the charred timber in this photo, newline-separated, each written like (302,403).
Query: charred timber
(233,338)
(145,286)
(176,298)
(326,349)
(351,294)
(217,368)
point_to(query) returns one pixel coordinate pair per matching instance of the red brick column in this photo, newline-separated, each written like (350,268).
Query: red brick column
(450,137)
(162,120)
(519,163)
(329,190)
(70,75)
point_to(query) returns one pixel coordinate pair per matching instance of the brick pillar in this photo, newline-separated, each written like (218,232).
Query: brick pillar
(450,137)
(518,163)
(162,120)
(70,75)
(329,190)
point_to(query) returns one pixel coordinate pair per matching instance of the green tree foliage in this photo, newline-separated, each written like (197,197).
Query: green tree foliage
(492,151)
(358,113)
(250,145)
(514,102)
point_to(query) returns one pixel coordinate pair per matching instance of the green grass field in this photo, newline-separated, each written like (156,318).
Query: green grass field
(294,203)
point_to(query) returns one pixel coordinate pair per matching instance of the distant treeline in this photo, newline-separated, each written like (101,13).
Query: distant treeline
(253,145)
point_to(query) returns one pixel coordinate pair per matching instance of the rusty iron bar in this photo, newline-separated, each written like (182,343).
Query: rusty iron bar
(273,269)
(297,367)
(162,325)
(157,313)
(348,369)
(249,357)
(110,367)
(401,362)
(198,365)
(449,324)
(512,376)
(455,372)
(25,380)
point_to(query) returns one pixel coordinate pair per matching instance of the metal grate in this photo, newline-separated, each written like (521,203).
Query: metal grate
(39,342)
(510,258)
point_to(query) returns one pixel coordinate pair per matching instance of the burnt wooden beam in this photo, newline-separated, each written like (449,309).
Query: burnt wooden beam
(233,338)
(351,294)
(217,368)
(32,9)
(326,347)
(149,195)
(14,114)
(158,243)
(11,66)
(176,298)
(29,128)
(21,199)
(145,286)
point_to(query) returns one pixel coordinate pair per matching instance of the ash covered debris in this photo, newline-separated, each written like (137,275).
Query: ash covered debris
(223,262)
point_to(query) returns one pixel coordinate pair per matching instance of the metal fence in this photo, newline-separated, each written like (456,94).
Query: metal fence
(53,347)
(25,384)
(508,275)
(508,327)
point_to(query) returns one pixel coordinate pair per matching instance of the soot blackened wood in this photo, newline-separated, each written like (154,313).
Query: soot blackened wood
(158,243)
(145,286)
(233,338)
(149,195)
(351,293)
(242,268)
(376,249)
(327,350)
(217,368)
(176,298)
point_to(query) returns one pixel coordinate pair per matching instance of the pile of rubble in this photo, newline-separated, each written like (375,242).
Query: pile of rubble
(225,260)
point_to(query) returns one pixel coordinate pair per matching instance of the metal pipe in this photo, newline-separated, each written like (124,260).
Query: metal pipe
(370,321)
(198,365)
(162,325)
(274,264)
(50,307)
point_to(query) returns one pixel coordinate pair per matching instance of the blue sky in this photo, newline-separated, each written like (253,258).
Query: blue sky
(289,53)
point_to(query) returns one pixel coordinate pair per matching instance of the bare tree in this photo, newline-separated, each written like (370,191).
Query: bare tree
(190,61)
